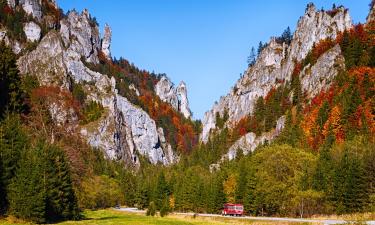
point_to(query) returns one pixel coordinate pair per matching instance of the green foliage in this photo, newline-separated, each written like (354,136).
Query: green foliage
(10,93)
(162,191)
(13,21)
(252,58)
(42,188)
(92,112)
(78,92)
(220,121)
(165,208)
(286,37)
(99,192)
(27,195)
(151,210)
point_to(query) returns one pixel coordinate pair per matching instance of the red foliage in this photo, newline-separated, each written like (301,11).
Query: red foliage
(297,69)
(270,94)
(8,10)
(47,95)
(322,47)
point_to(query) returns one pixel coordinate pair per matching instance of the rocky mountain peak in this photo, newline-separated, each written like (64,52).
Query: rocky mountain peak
(175,96)
(124,131)
(183,105)
(106,41)
(276,63)
(371,15)
(32,7)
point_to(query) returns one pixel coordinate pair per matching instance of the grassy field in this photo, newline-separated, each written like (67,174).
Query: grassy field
(107,217)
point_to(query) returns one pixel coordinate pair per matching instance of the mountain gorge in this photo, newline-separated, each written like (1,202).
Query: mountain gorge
(294,137)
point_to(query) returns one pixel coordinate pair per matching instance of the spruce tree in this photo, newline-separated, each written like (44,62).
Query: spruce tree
(10,94)
(61,202)
(162,191)
(27,193)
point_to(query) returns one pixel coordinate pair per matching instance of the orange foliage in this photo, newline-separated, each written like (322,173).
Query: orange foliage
(297,69)
(309,126)
(48,95)
(269,94)
(334,124)
(322,47)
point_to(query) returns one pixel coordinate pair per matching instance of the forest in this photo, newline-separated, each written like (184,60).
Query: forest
(323,162)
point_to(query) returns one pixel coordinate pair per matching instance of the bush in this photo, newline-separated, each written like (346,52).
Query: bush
(151,211)
(99,192)
(92,112)
(165,208)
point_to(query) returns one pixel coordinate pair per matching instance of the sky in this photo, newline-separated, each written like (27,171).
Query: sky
(205,43)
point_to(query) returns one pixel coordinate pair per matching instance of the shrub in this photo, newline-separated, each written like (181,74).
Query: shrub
(151,211)
(92,112)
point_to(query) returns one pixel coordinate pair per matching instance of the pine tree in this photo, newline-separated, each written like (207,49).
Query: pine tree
(250,194)
(27,193)
(162,191)
(323,114)
(13,142)
(324,169)
(61,202)
(10,94)
(252,57)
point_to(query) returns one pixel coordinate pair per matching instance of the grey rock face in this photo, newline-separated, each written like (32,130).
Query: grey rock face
(276,63)
(11,3)
(32,7)
(32,31)
(318,77)
(81,36)
(106,41)
(183,105)
(124,131)
(177,97)
(371,15)
(250,141)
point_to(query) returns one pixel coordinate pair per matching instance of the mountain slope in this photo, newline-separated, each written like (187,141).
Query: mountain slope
(63,58)
(314,55)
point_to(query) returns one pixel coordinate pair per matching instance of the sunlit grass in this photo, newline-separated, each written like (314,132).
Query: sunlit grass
(107,217)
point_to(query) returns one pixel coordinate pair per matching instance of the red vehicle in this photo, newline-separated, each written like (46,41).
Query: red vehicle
(232,210)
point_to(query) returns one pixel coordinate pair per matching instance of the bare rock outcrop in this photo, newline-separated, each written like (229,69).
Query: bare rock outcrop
(32,31)
(276,63)
(124,131)
(106,41)
(177,97)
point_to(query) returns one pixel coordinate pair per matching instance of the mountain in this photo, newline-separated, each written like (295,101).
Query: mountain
(80,129)
(65,47)
(318,33)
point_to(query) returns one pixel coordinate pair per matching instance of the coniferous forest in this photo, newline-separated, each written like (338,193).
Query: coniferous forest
(323,162)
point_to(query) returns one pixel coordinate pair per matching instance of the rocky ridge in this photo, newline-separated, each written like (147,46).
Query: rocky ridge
(176,96)
(125,131)
(275,65)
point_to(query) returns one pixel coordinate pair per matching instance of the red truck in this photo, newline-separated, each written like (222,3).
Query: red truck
(232,210)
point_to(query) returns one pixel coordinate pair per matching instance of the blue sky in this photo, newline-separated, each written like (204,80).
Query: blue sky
(203,42)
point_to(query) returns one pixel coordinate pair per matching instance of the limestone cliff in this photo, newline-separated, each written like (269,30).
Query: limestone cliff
(124,131)
(176,96)
(275,65)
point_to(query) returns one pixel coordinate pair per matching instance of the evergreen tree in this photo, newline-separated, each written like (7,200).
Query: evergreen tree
(162,191)
(252,57)
(2,185)
(261,46)
(323,114)
(61,202)
(27,193)
(13,142)
(250,194)
(10,94)
(324,169)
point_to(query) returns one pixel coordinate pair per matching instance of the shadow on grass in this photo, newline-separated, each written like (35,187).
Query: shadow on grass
(107,218)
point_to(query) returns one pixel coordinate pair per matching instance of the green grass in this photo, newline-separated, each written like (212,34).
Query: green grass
(109,217)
